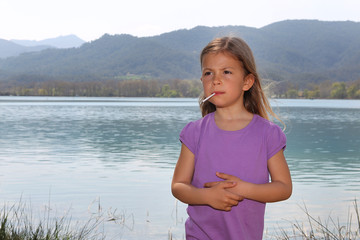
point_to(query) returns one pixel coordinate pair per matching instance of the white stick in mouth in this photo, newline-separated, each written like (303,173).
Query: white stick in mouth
(208,97)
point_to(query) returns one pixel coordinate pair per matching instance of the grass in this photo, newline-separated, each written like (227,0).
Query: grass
(330,229)
(18,223)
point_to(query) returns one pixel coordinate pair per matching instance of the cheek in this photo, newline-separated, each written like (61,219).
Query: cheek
(206,86)
(236,84)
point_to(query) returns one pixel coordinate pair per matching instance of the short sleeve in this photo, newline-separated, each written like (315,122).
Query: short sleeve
(190,136)
(276,140)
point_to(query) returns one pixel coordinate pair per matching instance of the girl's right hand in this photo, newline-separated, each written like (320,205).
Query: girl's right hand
(220,198)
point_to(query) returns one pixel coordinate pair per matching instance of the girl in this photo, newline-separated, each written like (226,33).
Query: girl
(226,157)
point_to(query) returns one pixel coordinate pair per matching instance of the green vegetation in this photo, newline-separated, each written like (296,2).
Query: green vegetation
(111,88)
(306,58)
(299,51)
(323,90)
(17,222)
(173,88)
(331,229)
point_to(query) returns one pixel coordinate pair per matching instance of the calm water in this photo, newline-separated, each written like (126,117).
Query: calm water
(78,153)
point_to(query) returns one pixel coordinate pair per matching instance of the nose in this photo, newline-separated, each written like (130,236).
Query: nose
(217,79)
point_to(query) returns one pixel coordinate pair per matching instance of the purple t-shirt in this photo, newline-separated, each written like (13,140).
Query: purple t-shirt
(244,154)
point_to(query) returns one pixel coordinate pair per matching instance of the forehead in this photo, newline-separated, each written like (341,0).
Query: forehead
(220,60)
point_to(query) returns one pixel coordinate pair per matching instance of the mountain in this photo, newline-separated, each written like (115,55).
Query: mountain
(14,48)
(295,50)
(315,49)
(68,41)
(9,49)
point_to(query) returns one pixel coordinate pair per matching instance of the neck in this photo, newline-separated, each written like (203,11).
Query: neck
(231,120)
(233,113)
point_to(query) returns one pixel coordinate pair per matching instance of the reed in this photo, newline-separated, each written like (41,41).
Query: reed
(17,222)
(330,229)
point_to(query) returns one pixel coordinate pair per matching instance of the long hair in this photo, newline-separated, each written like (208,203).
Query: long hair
(255,100)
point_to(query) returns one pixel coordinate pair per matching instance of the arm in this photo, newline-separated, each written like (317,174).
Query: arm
(216,196)
(280,187)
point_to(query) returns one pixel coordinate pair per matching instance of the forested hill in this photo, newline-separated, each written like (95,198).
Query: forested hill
(296,50)
(12,48)
(8,48)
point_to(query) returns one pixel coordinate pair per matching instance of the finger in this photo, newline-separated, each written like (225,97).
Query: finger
(235,197)
(210,184)
(223,176)
(227,209)
(232,202)
(228,184)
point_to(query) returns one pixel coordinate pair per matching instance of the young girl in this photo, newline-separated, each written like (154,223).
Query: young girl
(226,157)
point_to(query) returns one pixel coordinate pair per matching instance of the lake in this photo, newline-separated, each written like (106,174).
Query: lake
(116,156)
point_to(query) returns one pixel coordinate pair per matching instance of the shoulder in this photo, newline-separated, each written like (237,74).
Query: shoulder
(190,134)
(198,124)
(265,124)
(273,135)
(270,129)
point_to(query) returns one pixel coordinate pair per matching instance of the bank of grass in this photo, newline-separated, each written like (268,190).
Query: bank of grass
(329,229)
(17,222)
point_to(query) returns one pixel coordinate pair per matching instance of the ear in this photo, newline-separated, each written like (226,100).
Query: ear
(248,81)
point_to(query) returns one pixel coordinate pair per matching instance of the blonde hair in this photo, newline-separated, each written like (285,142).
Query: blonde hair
(255,100)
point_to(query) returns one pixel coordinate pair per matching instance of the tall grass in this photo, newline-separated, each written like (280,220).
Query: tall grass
(330,229)
(17,222)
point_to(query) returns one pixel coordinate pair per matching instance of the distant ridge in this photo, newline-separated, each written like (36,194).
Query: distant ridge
(11,49)
(14,48)
(68,41)
(295,50)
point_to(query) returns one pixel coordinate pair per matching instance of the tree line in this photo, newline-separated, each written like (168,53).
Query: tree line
(109,88)
(322,90)
(173,88)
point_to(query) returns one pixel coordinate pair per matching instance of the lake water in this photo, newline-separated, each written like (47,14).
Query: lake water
(117,155)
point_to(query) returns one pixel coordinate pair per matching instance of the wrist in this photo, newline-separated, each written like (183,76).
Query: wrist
(204,195)
(242,188)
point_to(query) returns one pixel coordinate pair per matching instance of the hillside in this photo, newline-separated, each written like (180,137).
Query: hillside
(9,49)
(14,48)
(297,50)
(68,41)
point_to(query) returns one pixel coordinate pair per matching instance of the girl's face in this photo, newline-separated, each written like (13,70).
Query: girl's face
(224,75)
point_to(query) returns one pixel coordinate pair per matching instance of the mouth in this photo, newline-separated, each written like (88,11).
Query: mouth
(218,93)
(211,95)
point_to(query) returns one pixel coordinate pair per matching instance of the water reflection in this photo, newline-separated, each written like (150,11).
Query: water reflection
(125,151)
(321,142)
(110,133)
(323,145)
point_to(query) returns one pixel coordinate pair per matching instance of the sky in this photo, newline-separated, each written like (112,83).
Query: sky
(90,19)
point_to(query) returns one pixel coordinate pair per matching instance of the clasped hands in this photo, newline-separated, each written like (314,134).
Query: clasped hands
(222,194)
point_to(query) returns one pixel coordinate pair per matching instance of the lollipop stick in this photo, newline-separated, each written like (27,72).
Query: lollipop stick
(208,97)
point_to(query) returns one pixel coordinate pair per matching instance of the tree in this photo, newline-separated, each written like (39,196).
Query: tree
(292,93)
(325,89)
(167,92)
(353,91)
(338,90)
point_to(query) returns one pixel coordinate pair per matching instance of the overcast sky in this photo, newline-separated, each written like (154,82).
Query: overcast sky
(90,19)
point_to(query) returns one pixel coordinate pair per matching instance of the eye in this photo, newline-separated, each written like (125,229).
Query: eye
(207,75)
(227,72)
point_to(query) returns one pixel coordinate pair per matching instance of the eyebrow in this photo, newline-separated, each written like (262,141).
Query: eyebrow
(209,68)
